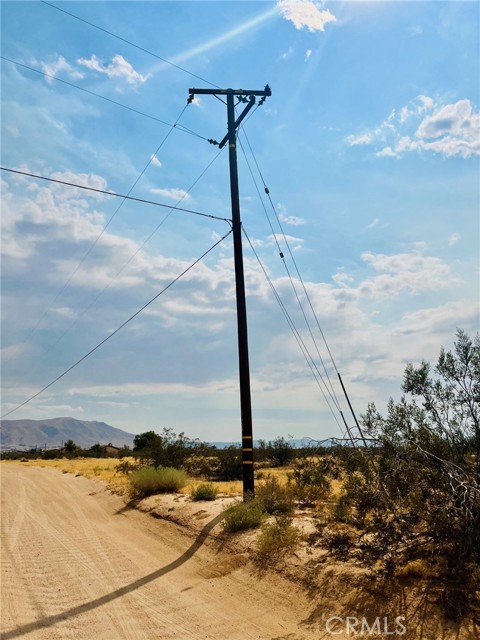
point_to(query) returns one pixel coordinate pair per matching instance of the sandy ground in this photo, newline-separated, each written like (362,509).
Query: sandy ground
(76,563)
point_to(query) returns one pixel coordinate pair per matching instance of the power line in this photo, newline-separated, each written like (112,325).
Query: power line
(132,257)
(267,191)
(94,243)
(97,95)
(118,328)
(330,391)
(306,354)
(114,35)
(116,195)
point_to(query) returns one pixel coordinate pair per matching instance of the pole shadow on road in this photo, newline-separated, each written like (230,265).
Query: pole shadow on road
(98,602)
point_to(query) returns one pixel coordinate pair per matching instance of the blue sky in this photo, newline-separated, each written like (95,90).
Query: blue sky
(369,146)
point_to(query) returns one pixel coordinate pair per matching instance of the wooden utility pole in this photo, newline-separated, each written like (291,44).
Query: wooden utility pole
(244,368)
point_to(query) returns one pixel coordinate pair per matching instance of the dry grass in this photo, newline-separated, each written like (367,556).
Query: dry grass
(104,469)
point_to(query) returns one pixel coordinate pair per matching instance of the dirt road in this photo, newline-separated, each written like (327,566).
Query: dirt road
(77,564)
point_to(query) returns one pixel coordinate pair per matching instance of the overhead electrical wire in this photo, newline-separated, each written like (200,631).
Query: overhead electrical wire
(330,391)
(102,342)
(94,243)
(304,349)
(267,191)
(109,221)
(116,195)
(98,95)
(114,35)
(132,257)
(89,250)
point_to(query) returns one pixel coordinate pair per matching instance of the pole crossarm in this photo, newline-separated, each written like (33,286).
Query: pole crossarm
(235,92)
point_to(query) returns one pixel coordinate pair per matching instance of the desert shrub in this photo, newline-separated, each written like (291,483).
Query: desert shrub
(204,491)
(166,449)
(339,538)
(310,479)
(419,489)
(277,538)
(274,497)
(71,450)
(127,467)
(278,452)
(242,516)
(96,451)
(52,454)
(419,568)
(202,466)
(150,480)
(230,465)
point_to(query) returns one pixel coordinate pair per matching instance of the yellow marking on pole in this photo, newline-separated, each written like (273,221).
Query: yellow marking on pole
(248,462)
(245,449)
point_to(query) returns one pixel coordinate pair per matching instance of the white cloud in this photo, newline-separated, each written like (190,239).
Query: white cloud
(374,223)
(294,242)
(172,194)
(363,138)
(154,161)
(65,312)
(294,221)
(118,68)
(405,272)
(60,64)
(342,278)
(451,130)
(455,313)
(453,239)
(90,180)
(196,101)
(308,53)
(386,152)
(303,13)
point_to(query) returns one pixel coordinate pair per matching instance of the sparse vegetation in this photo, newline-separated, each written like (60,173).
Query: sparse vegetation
(310,479)
(204,491)
(166,449)
(274,497)
(276,453)
(407,508)
(150,480)
(417,493)
(243,516)
(276,539)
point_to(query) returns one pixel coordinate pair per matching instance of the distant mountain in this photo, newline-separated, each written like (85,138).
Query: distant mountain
(26,434)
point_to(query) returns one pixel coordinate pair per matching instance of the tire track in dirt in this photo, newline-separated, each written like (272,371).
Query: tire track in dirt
(82,566)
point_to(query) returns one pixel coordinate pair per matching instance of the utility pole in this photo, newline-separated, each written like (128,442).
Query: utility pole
(244,368)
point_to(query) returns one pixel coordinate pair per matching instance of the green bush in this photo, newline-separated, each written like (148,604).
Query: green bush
(205,491)
(230,464)
(311,479)
(277,538)
(149,480)
(274,497)
(243,516)
(277,453)
(165,449)
(202,466)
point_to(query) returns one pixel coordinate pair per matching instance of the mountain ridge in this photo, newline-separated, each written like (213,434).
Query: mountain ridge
(51,432)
